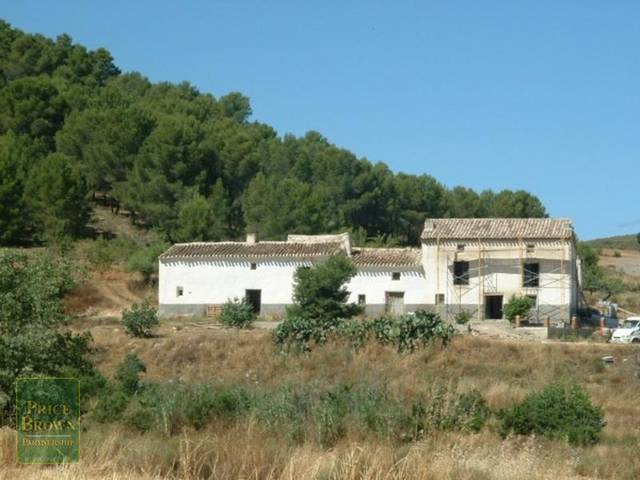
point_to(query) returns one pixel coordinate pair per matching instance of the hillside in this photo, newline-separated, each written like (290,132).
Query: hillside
(187,164)
(620,242)
(618,266)
(502,371)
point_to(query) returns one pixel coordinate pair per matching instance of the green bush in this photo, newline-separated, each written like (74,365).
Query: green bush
(617,254)
(236,313)
(128,373)
(319,291)
(202,403)
(103,253)
(463,317)
(407,332)
(446,410)
(33,340)
(302,332)
(299,412)
(558,411)
(140,320)
(420,329)
(517,306)
(320,304)
(112,403)
(160,407)
(145,260)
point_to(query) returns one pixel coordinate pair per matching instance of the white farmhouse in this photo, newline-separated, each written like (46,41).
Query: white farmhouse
(463,264)
(478,264)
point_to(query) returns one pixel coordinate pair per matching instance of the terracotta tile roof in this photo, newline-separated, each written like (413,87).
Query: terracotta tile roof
(328,238)
(249,250)
(497,228)
(386,257)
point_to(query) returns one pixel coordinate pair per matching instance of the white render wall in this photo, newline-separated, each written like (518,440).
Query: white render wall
(209,282)
(501,272)
(375,282)
(214,282)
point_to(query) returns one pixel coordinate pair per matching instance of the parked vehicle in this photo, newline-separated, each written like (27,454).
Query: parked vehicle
(628,332)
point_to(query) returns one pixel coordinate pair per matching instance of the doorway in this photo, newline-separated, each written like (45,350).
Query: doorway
(254,299)
(394,303)
(493,307)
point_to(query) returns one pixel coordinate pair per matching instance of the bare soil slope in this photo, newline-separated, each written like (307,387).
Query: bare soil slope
(107,294)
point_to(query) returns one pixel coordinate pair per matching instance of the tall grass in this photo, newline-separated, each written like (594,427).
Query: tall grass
(286,436)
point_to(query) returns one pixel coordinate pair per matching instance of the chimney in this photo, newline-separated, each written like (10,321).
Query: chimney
(252,238)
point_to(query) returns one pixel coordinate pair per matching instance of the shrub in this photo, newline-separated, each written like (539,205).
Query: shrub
(320,304)
(422,328)
(103,253)
(204,402)
(355,332)
(33,340)
(320,293)
(558,411)
(617,254)
(145,260)
(299,412)
(128,373)
(140,320)
(236,313)
(407,332)
(160,407)
(411,331)
(462,317)
(447,410)
(470,412)
(112,403)
(517,306)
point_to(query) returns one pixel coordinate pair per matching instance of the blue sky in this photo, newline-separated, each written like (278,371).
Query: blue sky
(540,95)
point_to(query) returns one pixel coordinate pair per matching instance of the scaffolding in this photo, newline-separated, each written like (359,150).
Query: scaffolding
(511,258)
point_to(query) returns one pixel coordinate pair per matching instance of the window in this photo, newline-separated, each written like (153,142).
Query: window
(179,291)
(439,298)
(461,273)
(395,276)
(531,248)
(253,266)
(531,275)
(460,247)
(362,299)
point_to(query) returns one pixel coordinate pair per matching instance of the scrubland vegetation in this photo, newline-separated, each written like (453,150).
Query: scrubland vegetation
(198,402)
(328,395)
(336,412)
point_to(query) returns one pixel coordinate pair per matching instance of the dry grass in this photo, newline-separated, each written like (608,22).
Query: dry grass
(502,370)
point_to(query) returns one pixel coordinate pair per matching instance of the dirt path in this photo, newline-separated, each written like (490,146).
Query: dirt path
(107,294)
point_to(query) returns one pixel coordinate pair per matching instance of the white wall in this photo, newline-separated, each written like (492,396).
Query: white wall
(209,282)
(501,271)
(214,282)
(374,283)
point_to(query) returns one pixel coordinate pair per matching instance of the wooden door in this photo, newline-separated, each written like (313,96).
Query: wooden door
(394,303)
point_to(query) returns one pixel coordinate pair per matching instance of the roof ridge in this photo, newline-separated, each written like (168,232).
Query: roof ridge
(498,228)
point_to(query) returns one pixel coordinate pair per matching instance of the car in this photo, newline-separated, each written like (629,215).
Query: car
(628,332)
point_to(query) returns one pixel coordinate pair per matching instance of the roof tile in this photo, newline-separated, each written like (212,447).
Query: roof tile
(386,257)
(497,228)
(248,250)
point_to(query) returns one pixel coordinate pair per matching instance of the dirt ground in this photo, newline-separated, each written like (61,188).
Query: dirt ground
(628,262)
(107,294)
